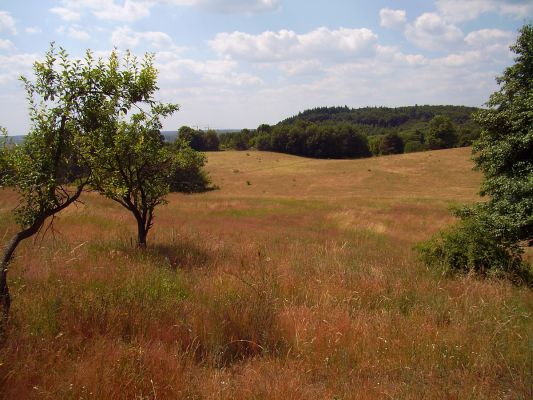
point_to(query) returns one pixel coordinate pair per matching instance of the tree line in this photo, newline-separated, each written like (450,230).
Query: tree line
(336,140)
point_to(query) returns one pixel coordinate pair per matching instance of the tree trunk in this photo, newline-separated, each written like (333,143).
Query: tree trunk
(5,299)
(142,233)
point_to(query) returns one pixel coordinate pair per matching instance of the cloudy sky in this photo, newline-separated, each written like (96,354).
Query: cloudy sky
(239,63)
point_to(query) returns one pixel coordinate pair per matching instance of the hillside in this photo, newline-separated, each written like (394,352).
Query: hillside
(296,280)
(341,132)
(400,118)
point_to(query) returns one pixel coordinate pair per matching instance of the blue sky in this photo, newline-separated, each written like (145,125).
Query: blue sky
(240,63)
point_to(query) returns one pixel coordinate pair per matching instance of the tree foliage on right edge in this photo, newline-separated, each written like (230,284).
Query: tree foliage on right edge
(490,236)
(504,151)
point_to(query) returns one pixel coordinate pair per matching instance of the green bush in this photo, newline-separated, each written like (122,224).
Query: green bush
(262,142)
(471,246)
(413,147)
(187,174)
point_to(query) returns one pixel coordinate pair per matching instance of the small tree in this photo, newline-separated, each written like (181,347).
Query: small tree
(193,138)
(504,151)
(187,175)
(490,235)
(70,102)
(133,166)
(212,142)
(441,133)
(391,144)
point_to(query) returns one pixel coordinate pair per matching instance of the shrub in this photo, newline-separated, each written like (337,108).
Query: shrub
(472,246)
(391,144)
(187,173)
(413,147)
(262,142)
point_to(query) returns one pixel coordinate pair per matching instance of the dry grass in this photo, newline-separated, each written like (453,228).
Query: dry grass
(296,280)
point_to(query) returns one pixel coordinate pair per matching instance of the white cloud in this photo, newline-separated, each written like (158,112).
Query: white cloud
(66,14)
(238,6)
(13,66)
(127,11)
(460,59)
(175,69)
(520,9)
(228,6)
(462,10)
(32,30)
(432,32)
(393,56)
(7,23)
(6,45)
(133,10)
(489,37)
(286,45)
(126,38)
(78,34)
(393,19)
(301,67)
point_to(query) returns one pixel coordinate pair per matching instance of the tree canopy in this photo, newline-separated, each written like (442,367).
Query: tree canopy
(504,151)
(71,102)
(490,236)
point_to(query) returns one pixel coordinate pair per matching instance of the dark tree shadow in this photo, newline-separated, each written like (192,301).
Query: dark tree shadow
(181,255)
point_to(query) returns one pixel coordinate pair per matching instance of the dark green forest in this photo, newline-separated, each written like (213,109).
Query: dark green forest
(343,132)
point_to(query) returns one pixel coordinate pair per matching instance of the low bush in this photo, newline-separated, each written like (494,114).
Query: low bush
(472,246)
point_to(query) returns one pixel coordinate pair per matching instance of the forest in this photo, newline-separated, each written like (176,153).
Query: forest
(342,132)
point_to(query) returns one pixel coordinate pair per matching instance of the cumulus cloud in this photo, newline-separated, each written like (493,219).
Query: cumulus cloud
(431,32)
(286,45)
(133,10)
(33,30)
(238,6)
(130,10)
(79,34)
(66,14)
(127,11)
(392,19)
(6,44)
(461,10)
(13,66)
(186,71)
(126,38)
(7,23)
(489,37)
(227,6)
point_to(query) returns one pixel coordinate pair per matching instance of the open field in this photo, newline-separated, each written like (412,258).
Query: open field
(295,280)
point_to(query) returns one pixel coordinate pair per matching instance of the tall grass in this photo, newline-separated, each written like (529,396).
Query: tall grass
(292,294)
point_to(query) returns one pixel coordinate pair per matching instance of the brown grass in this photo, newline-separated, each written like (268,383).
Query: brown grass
(295,280)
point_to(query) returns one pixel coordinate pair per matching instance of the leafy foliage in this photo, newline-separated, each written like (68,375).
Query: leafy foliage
(132,167)
(305,139)
(489,235)
(472,246)
(187,175)
(441,133)
(71,102)
(382,117)
(327,132)
(391,144)
(504,151)
(198,139)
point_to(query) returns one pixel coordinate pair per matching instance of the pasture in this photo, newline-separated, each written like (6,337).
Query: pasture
(297,279)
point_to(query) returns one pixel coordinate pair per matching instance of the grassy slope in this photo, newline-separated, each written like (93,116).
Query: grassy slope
(296,280)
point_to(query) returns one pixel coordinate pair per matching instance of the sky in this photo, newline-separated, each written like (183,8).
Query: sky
(240,63)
